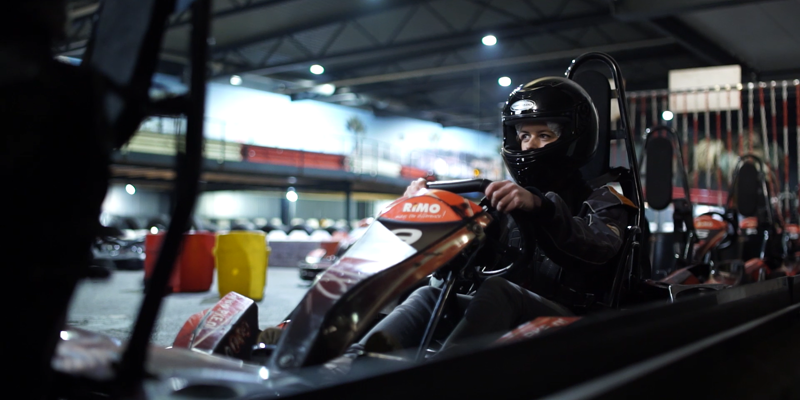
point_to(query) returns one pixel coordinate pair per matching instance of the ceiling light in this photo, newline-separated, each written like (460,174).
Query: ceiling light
(317,69)
(130,189)
(489,40)
(236,80)
(504,81)
(326,89)
(291,195)
(441,167)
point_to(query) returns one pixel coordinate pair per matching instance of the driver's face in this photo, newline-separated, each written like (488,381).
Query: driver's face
(535,135)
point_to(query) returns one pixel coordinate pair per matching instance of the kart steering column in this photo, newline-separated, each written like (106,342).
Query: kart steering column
(443,299)
(437,314)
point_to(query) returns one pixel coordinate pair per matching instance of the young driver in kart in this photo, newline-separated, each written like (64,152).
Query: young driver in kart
(550,130)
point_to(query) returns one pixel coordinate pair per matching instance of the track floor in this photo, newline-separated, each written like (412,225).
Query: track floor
(110,307)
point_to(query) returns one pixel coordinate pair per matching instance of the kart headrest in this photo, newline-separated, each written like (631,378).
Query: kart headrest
(658,186)
(597,86)
(748,190)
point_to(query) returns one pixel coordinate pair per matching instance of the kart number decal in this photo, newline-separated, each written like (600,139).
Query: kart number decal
(410,236)
(334,283)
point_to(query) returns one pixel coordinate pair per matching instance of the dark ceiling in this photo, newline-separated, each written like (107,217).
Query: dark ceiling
(425,59)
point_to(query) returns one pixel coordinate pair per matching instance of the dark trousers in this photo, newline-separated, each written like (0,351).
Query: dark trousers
(497,307)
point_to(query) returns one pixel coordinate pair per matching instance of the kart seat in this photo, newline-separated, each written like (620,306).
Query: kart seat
(630,260)
(792,227)
(762,231)
(661,143)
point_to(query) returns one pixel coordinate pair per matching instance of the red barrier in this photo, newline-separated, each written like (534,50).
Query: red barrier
(293,158)
(194,268)
(412,172)
(152,248)
(701,196)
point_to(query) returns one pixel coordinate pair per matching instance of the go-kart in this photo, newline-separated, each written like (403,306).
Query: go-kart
(791,231)
(762,233)
(716,249)
(683,264)
(113,249)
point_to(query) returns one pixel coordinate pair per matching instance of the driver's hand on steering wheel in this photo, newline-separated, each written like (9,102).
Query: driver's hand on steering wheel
(507,196)
(415,187)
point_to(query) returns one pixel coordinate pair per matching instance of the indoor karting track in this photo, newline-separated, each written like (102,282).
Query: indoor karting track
(110,306)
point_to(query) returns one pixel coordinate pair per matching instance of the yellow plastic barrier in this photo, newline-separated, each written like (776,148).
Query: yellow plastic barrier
(242,258)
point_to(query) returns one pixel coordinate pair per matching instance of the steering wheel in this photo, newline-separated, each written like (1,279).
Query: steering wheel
(499,255)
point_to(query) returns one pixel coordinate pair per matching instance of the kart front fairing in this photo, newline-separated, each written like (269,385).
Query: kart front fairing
(412,238)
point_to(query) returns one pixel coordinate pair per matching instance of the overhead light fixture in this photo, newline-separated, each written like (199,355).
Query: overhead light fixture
(291,195)
(667,115)
(130,189)
(504,81)
(489,40)
(441,167)
(316,69)
(236,80)
(326,89)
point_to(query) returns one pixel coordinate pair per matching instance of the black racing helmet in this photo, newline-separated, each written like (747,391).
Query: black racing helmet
(549,99)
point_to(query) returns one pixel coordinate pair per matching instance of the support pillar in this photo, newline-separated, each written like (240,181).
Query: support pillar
(348,202)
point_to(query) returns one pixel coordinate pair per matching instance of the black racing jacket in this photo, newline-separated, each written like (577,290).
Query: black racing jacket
(578,243)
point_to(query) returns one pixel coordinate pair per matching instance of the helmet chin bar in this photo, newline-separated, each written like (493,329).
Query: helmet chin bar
(540,101)
(542,178)
(525,166)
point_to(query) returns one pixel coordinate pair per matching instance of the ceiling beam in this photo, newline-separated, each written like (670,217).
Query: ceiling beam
(790,74)
(663,16)
(476,66)
(425,47)
(521,72)
(636,10)
(87,12)
(83,15)
(700,46)
(339,15)
(235,10)
(82,12)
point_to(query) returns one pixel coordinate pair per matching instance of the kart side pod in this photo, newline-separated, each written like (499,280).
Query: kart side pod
(230,328)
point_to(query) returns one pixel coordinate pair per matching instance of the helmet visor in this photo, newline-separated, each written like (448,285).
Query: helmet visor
(524,135)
